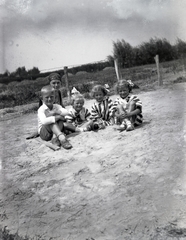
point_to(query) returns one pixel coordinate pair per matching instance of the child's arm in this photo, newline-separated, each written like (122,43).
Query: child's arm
(133,113)
(94,112)
(134,100)
(58,112)
(69,117)
(43,118)
(138,108)
(48,117)
(116,112)
(49,120)
(87,114)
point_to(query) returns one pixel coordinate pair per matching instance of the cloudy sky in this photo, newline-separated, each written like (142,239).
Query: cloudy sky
(50,34)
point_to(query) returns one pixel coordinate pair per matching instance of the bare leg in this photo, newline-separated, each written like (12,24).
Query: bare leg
(120,110)
(69,127)
(132,107)
(126,123)
(57,128)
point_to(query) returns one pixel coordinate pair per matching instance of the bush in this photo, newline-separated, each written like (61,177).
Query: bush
(24,92)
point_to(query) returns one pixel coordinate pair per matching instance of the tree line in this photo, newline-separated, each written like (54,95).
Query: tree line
(129,56)
(21,73)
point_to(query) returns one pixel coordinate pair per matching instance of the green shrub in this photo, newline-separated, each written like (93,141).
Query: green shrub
(18,93)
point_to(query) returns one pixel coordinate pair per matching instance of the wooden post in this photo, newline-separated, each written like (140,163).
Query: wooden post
(67,83)
(118,73)
(160,82)
(2,57)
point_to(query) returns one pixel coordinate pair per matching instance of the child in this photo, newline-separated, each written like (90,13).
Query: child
(55,82)
(128,108)
(51,118)
(79,116)
(74,91)
(102,109)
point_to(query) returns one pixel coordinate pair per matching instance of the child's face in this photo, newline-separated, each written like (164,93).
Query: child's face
(48,98)
(78,104)
(99,96)
(56,84)
(123,92)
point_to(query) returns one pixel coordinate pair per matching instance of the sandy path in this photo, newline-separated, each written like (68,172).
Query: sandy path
(110,186)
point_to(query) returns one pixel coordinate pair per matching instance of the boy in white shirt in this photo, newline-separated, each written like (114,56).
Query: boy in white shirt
(51,118)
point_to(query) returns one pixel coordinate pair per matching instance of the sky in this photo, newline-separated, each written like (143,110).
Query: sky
(51,34)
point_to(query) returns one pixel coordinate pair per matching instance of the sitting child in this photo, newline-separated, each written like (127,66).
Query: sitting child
(128,108)
(51,119)
(102,109)
(79,116)
(55,82)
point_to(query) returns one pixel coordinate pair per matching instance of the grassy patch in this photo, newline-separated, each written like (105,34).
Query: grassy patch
(26,91)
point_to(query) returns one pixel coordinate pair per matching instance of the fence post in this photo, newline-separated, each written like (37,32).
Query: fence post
(67,83)
(160,81)
(118,73)
(2,36)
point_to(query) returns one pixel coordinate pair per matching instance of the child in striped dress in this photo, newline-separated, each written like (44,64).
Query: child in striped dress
(128,108)
(102,109)
(78,115)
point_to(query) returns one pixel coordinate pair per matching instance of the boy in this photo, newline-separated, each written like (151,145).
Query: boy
(51,118)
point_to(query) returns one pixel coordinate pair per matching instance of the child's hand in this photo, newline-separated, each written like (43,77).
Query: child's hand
(49,114)
(57,112)
(123,115)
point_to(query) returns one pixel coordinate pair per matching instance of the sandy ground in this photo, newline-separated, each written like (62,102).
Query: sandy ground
(110,186)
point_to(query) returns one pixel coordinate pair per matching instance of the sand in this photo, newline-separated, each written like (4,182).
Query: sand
(110,186)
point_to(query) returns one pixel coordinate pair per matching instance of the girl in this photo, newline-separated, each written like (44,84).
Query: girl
(128,108)
(79,116)
(102,109)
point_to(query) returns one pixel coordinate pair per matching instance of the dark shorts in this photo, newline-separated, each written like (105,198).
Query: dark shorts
(45,133)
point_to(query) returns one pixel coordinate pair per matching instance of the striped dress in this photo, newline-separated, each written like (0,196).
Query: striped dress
(103,111)
(128,99)
(78,118)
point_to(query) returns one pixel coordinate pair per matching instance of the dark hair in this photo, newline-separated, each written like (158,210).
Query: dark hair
(54,76)
(98,88)
(123,83)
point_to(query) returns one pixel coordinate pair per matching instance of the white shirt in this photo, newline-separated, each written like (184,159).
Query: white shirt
(43,111)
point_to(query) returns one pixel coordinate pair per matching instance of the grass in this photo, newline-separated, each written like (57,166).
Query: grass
(25,92)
